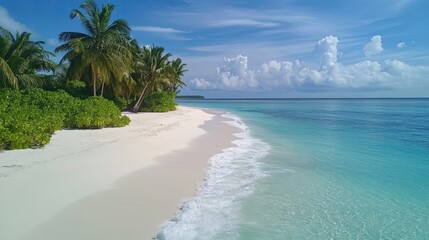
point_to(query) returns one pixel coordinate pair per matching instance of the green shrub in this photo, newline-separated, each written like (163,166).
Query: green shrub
(28,118)
(159,102)
(49,83)
(23,124)
(122,103)
(98,112)
(77,88)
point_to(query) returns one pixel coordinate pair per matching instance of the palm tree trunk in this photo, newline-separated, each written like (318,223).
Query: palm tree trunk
(139,102)
(102,88)
(94,83)
(94,89)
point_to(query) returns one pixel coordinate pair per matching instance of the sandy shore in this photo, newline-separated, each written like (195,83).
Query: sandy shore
(116,183)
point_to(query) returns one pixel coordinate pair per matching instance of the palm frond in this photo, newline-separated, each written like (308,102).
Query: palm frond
(7,77)
(85,21)
(67,36)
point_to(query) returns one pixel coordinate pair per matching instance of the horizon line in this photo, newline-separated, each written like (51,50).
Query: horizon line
(308,98)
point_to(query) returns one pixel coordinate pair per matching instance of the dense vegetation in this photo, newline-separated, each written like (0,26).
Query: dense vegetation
(21,59)
(29,117)
(103,71)
(103,60)
(109,61)
(159,102)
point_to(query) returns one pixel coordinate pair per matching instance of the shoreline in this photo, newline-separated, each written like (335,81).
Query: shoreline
(128,199)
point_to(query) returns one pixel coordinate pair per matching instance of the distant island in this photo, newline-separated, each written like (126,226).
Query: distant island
(190,97)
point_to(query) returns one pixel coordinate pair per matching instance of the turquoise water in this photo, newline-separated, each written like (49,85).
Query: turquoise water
(315,169)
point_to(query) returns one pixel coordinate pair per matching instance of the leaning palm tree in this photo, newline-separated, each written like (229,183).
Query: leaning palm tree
(152,71)
(101,54)
(22,61)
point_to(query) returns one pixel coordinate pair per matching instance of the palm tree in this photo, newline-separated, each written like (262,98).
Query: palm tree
(177,72)
(126,86)
(22,60)
(101,54)
(152,71)
(7,77)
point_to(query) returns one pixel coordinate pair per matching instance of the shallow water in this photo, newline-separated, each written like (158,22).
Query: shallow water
(315,169)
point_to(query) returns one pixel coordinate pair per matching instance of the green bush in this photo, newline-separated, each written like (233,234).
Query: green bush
(23,123)
(159,102)
(122,103)
(49,83)
(98,112)
(77,88)
(28,118)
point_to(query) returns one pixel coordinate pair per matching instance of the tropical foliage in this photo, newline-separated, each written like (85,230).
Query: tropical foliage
(22,60)
(106,58)
(159,102)
(155,73)
(101,54)
(29,117)
(103,71)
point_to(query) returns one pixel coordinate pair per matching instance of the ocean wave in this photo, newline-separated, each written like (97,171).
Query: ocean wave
(213,212)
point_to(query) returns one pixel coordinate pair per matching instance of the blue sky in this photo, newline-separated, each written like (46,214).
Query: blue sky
(277,48)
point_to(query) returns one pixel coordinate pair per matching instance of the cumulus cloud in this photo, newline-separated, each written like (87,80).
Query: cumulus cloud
(401,45)
(328,46)
(374,47)
(235,73)
(9,23)
(200,83)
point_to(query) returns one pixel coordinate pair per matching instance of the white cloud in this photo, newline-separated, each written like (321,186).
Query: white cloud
(331,74)
(156,29)
(235,73)
(9,23)
(328,46)
(200,83)
(374,47)
(243,22)
(401,45)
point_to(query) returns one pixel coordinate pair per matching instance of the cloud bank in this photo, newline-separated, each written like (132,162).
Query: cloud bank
(329,75)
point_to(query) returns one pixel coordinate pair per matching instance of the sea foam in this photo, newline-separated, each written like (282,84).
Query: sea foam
(213,213)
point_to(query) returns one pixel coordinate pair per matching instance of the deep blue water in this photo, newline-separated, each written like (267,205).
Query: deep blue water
(327,169)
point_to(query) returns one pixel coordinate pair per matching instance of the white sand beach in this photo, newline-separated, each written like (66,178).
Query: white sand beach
(113,183)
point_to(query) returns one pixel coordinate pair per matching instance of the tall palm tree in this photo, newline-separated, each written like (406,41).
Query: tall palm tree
(101,54)
(152,71)
(22,60)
